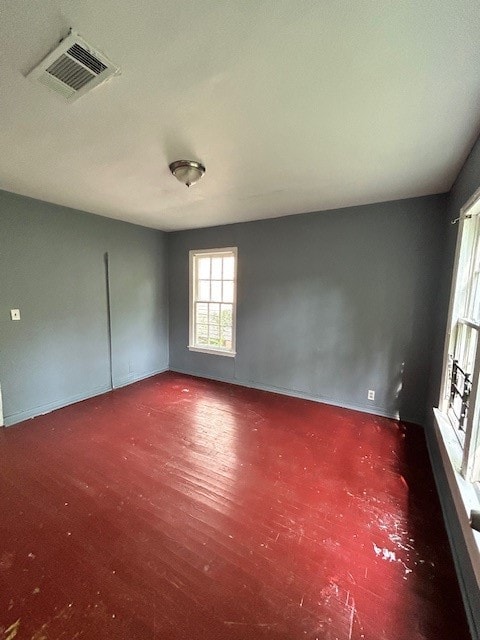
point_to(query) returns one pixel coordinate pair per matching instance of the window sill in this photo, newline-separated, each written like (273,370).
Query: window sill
(215,352)
(464,494)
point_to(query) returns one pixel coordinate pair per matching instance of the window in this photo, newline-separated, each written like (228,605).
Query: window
(460,399)
(213,300)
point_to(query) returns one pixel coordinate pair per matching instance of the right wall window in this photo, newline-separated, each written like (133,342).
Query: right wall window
(460,386)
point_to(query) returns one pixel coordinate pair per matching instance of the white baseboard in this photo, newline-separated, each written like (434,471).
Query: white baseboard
(376,411)
(40,410)
(132,377)
(1,408)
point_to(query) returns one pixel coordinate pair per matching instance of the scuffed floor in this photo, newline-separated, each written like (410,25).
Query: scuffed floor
(183,509)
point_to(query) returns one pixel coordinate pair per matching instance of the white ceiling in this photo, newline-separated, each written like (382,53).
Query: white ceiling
(293,106)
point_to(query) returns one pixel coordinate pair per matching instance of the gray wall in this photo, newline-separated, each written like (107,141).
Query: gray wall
(329,304)
(52,268)
(467,182)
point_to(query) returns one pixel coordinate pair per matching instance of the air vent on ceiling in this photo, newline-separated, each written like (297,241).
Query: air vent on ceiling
(73,68)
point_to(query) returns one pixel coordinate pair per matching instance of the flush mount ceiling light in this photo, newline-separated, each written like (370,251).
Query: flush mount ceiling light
(187,171)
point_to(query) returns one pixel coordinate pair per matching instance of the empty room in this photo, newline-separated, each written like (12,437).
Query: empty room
(239,318)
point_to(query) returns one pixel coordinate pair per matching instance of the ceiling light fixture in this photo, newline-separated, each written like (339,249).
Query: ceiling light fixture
(187,172)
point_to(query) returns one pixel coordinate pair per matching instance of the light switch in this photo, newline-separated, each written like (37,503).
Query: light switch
(15,314)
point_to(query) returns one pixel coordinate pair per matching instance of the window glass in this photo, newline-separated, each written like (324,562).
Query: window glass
(212,304)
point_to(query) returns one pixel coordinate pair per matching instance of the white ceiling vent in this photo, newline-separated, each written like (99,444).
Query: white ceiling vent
(73,68)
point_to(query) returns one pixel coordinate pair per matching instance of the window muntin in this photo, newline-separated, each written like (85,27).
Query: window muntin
(213,300)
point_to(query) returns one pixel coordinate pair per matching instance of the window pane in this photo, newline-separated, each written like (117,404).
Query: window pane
(202,313)
(474,310)
(465,347)
(203,266)
(459,342)
(202,340)
(472,351)
(202,330)
(216,269)
(226,337)
(228,268)
(228,291)
(227,333)
(214,313)
(227,315)
(465,268)
(216,290)
(214,331)
(203,290)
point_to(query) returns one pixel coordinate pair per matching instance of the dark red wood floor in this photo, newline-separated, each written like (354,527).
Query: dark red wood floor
(183,509)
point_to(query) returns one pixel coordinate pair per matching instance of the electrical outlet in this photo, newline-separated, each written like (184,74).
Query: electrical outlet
(371,394)
(15,314)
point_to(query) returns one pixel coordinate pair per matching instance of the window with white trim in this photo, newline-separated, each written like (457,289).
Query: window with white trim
(213,284)
(460,400)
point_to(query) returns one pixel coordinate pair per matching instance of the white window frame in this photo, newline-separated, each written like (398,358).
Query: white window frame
(470,464)
(215,253)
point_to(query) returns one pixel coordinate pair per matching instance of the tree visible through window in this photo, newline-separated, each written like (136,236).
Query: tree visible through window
(213,300)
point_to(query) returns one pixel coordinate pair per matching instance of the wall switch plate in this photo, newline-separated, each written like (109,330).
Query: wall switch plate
(15,314)
(371,394)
